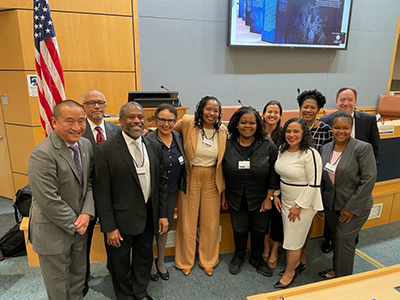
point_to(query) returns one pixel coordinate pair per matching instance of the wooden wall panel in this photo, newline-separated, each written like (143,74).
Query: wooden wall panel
(11,52)
(79,42)
(94,42)
(387,201)
(120,7)
(21,109)
(113,85)
(395,215)
(20,180)
(6,180)
(21,141)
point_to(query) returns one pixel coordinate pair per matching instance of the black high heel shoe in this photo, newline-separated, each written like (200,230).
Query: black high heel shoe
(164,276)
(280,285)
(300,268)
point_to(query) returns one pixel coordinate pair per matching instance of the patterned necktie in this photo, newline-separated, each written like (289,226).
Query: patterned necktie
(140,163)
(76,161)
(100,137)
(138,154)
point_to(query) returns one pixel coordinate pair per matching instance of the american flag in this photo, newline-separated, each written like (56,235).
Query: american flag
(50,79)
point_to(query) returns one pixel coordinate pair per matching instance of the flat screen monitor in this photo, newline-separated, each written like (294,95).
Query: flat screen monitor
(290,23)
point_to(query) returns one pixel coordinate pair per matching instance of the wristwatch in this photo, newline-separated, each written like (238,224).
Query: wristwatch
(271,198)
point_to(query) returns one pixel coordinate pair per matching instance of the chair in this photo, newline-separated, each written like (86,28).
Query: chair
(389,107)
(228,111)
(329,111)
(288,114)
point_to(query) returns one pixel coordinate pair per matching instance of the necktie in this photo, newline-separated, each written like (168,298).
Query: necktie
(76,161)
(140,164)
(100,137)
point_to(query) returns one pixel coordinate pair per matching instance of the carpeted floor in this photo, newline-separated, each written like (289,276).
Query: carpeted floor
(381,244)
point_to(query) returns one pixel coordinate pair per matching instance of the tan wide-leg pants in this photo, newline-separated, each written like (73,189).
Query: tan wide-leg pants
(202,202)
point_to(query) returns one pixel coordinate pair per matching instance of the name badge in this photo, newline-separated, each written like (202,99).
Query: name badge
(141,171)
(181,160)
(330,168)
(207,142)
(244,164)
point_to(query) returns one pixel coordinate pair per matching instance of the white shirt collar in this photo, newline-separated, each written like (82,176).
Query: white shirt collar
(93,126)
(129,140)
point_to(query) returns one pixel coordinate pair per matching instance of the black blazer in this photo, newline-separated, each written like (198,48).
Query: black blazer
(366,129)
(111,130)
(254,181)
(118,195)
(179,141)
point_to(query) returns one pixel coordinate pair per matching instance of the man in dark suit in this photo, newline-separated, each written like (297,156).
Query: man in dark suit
(59,170)
(97,131)
(130,189)
(364,128)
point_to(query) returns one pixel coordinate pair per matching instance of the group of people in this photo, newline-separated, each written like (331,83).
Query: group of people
(273,179)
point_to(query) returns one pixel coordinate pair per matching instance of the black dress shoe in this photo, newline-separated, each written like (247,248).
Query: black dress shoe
(145,298)
(326,275)
(154,277)
(326,246)
(164,276)
(300,268)
(235,265)
(261,267)
(279,285)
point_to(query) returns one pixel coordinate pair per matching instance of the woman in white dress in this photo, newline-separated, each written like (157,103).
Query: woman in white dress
(300,168)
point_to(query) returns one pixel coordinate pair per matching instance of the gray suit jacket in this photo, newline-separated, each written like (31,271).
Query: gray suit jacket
(59,196)
(366,129)
(111,130)
(354,180)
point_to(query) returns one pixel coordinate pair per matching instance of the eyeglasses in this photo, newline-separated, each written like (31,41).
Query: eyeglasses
(162,121)
(93,103)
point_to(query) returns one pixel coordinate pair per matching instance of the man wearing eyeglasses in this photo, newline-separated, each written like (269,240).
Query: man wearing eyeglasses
(97,131)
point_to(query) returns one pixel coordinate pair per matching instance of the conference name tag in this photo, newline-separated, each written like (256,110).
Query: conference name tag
(141,171)
(330,168)
(244,165)
(181,160)
(207,142)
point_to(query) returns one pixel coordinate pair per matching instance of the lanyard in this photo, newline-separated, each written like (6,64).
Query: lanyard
(203,133)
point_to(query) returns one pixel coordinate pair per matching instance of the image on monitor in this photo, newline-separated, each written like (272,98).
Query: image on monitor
(290,23)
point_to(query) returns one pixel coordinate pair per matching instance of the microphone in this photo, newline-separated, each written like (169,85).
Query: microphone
(240,102)
(163,87)
(298,91)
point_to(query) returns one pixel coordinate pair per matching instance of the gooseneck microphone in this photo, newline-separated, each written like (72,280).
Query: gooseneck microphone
(163,87)
(240,102)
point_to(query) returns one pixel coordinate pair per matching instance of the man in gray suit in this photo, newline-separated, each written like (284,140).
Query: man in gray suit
(97,131)
(59,170)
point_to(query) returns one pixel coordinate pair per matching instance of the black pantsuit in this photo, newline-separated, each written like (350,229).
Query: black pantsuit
(245,221)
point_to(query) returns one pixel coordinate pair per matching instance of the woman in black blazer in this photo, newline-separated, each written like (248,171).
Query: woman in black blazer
(250,180)
(175,167)
(347,182)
